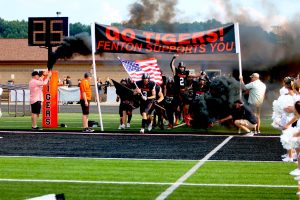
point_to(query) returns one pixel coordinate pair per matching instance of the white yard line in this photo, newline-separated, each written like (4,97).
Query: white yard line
(180,181)
(146,183)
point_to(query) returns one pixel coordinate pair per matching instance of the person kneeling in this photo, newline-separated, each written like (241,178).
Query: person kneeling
(242,117)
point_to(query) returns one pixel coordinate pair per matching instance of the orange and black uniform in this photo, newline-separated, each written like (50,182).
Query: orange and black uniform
(146,91)
(85,87)
(180,85)
(126,101)
(171,102)
(180,80)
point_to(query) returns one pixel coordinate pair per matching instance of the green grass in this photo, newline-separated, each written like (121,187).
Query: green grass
(74,191)
(245,173)
(139,179)
(93,169)
(111,124)
(233,193)
(128,176)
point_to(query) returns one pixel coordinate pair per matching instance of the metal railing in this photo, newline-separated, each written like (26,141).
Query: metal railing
(7,88)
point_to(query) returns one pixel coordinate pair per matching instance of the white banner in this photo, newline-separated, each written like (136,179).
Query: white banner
(69,94)
(65,94)
(19,96)
(111,95)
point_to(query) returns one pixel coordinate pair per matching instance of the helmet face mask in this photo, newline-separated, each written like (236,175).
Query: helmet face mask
(181,66)
(145,78)
(201,82)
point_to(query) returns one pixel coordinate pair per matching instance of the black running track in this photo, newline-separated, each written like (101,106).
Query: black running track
(136,146)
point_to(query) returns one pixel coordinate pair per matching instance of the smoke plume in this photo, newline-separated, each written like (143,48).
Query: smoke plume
(151,11)
(217,103)
(266,41)
(78,44)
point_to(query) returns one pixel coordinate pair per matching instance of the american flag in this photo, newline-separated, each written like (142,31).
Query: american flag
(135,69)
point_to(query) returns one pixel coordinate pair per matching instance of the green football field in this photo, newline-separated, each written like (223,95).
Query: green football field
(85,178)
(81,177)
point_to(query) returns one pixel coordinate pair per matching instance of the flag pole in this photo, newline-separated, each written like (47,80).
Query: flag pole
(95,73)
(238,51)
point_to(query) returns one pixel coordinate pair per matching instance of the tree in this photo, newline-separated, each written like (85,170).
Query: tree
(79,28)
(13,29)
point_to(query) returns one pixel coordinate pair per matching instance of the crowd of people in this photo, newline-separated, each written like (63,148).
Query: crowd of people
(178,99)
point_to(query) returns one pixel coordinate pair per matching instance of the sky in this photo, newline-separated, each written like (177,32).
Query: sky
(274,12)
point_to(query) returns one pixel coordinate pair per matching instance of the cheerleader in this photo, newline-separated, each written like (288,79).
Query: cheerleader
(294,131)
(283,114)
(294,139)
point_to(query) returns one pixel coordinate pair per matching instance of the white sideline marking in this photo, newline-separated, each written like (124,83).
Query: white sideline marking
(146,183)
(180,181)
(135,134)
(137,159)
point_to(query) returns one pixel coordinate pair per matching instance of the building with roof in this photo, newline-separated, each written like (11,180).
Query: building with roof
(18,60)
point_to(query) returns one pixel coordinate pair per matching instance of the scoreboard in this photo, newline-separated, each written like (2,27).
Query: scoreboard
(47,31)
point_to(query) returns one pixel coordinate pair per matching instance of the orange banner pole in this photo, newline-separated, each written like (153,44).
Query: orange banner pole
(50,103)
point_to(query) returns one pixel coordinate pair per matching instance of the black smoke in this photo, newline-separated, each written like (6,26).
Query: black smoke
(151,11)
(78,44)
(265,45)
(216,103)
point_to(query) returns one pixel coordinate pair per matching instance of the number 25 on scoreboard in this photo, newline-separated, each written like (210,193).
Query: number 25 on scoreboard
(47,31)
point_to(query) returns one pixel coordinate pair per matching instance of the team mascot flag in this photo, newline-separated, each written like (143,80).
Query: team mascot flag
(126,40)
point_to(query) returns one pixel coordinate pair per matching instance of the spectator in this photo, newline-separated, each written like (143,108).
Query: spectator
(60,83)
(78,82)
(85,98)
(69,84)
(100,90)
(106,85)
(68,81)
(64,81)
(10,82)
(257,90)
(36,97)
(242,117)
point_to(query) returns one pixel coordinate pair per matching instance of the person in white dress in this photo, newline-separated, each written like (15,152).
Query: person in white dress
(291,134)
(283,113)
